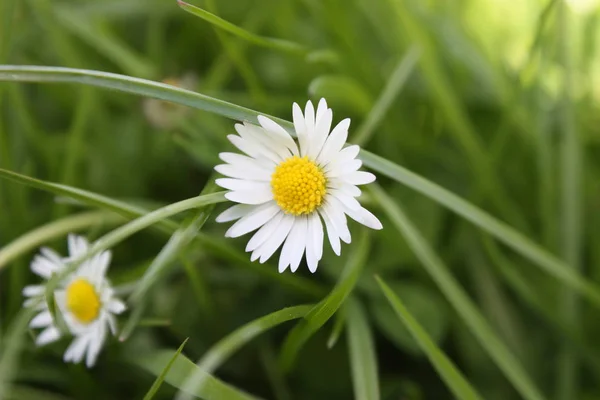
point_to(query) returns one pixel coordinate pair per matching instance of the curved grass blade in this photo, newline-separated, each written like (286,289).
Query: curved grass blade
(393,86)
(503,232)
(338,328)
(84,196)
(116,236)
(272,43)
(100,38)
(11,346)
(181,368)
(322,312)
(226,251)
(123,83)
(223,349)
(456,296)
(35,238)
(455,380)
(160,378)
(363,360)
(158,268)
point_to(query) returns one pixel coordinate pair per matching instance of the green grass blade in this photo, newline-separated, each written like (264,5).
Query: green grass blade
(338,328)
(36,237)
(363,360)
(455,380)
(105,42)
(322,312)
(456,296)
(129,84)
(503,232)
(508,235)
(160,378)
(157,269)
(211,389)
(217,354)
(571,213)
(394,85)
(11,345)
(225,250)
(84,196)
(272,43)
(177,243)
(225,347)
(116,236)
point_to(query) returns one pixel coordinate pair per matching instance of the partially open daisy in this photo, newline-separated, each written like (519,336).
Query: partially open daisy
(288,189)
(85,298)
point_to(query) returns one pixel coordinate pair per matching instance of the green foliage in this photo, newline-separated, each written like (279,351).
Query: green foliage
(479,119)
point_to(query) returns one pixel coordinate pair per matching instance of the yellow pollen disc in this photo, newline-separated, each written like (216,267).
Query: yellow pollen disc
(83,301)
(298,185)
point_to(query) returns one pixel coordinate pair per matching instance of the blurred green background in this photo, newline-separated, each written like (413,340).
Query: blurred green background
(496,101)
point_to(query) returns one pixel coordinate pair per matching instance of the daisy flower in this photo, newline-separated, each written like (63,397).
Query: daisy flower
(288,190)
(84,297)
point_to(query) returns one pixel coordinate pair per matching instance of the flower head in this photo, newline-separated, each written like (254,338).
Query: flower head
(84,297)
(287,190)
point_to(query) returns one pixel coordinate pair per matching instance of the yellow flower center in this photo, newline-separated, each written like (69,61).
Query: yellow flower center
(83,301)
(298,185)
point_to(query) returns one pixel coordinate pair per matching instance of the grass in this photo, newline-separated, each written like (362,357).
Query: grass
(480,122)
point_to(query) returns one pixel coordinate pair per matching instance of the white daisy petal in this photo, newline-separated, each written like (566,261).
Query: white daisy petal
(76,349)
(300,243)
(365,217)
(112,324)
(300,127)
(294,246)
(258,137)
(321,109)
(33,290)
(48,335)
(254,220)
(266,231)
(51,255)
(41,320)
(259,195)
(116,306)
(242,160)
(348,201)
(344,187)
(270,246)
(235,212)
(347,154)
(268,140)
(95,346)
(359,178)
(43,267)
(334,142)
(334,209)
(254,173)
(101,263)
(77,246)
(282,135)
(320,134)
(309,119)
(332,234)
(314,243)
(253,148)
(238,184)
(335,170)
